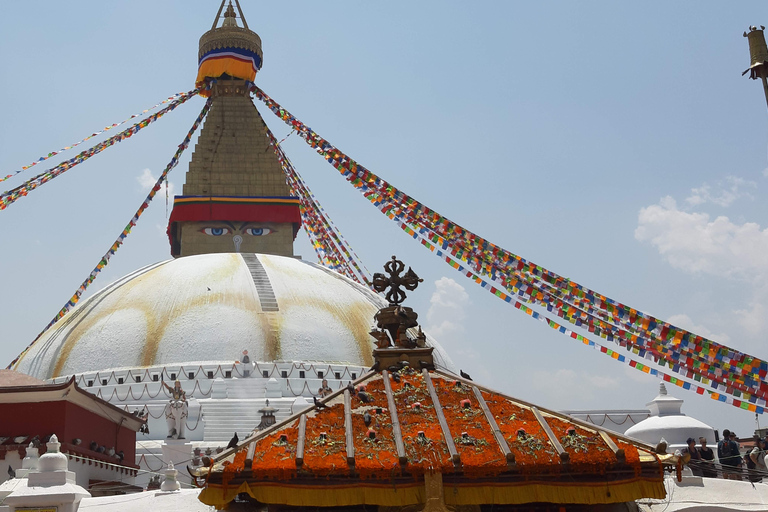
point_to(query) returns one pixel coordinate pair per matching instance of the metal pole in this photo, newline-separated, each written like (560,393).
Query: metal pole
(765,83)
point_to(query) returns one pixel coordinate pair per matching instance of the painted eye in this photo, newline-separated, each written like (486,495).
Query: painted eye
(216,231)
(258,231)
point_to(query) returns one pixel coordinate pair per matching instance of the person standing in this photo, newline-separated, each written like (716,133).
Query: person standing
(324,390)
(692,457)
(728,455)
(707,459)
(738,460)
(757,469)
(246,361)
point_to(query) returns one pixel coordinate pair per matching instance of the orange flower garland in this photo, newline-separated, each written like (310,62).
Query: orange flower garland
(275,457)
(323,457)
(631,454)
(374,457)
(479,451)
(534,452)
(585,448)
(429,453)
(234,467)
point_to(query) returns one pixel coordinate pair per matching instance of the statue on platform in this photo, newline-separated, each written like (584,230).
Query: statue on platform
(176,411)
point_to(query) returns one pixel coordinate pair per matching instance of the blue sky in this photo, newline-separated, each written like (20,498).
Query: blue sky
(615,144)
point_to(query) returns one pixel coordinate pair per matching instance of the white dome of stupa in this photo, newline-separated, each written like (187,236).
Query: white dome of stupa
(211,307)
(668,422)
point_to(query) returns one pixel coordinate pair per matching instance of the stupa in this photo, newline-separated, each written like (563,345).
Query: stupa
(234,283)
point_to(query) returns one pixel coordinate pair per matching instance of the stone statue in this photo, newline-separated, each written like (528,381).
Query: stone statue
(176,411)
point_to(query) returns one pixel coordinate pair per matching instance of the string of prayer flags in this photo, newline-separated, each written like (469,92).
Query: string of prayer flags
(332,249)
(684,352)
(25,188)
(104,261)
(746,402)
(95,134)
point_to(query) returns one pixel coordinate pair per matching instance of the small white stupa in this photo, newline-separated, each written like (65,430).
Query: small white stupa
(669,422)
(50,486)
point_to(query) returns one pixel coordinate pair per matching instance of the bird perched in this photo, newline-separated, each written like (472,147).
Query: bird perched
(367,419)
(94,446)
(375,367)
(351,388)
(465,375)
(317,403)
(11,472)
(111,451)
(76,441)
(396,377)
(233,442)
(364,397)
(120,455)
(102,449)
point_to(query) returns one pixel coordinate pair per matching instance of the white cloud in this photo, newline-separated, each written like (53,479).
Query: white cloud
(695,244)
(147,180)
(684,321)
(753,318)
(724,194)
(566,386)
(445,322)
(447,309)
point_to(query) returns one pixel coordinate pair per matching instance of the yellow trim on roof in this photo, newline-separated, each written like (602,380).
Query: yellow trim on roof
(365,493)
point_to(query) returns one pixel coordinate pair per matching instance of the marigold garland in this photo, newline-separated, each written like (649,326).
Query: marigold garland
(325,456)
(374,457)
(234,467)
(533,452)
(429,453)
(479,451)
(587,451)
(275,454)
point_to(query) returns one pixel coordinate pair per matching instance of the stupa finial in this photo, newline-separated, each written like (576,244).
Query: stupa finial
(230,19)
(229,15)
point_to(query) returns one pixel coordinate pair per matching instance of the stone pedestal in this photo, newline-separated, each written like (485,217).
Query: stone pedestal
(415,357)
(300,404)
(176,451)
(219,388)
(274,390)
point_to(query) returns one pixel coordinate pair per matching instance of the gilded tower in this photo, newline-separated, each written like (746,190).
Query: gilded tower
(235,198)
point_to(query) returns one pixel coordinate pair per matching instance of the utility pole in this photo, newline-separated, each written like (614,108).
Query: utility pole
(758,53)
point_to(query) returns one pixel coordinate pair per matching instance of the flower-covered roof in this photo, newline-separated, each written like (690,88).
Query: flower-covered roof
(373,442)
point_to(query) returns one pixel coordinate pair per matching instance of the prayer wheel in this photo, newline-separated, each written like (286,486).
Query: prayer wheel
(758,52)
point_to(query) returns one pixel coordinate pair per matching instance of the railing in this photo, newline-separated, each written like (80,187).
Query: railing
(194,372)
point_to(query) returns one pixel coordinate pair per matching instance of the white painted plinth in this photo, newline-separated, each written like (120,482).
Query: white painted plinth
(177,452)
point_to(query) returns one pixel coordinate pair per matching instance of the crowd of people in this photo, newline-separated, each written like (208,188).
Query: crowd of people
(730,462)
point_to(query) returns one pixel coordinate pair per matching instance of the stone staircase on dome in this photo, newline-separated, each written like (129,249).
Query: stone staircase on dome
(225,417)
(245,389)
